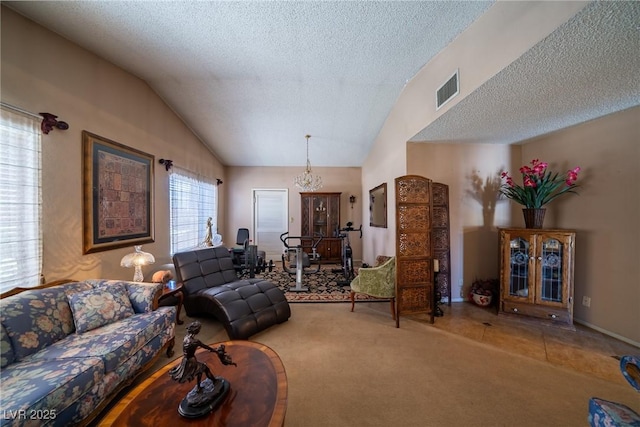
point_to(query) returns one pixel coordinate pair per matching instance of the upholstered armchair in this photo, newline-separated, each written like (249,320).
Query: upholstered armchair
(378,281)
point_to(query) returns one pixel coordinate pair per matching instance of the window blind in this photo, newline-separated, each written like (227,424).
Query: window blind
(20,200)
(193,200)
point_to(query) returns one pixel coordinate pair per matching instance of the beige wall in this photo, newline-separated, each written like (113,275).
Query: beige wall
(497,38)
(241,181)
(43,72)
(482,51)
(604,214)
(472,172)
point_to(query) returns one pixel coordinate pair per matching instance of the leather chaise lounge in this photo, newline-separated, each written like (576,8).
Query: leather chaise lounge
(211,287)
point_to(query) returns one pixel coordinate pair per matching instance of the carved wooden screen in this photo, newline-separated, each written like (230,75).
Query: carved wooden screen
(414,251)
(441,239)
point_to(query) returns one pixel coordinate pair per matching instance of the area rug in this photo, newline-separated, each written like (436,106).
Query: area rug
(323,286)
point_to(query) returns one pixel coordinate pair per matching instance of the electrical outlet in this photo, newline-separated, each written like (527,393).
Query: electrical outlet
(586,301)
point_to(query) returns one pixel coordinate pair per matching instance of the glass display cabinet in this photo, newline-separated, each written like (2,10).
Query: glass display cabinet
(321,215)
(536,274)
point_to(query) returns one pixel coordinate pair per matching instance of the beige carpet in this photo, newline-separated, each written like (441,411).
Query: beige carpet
(357,369)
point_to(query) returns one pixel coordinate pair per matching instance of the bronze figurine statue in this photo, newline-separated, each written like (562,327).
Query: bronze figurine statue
(208,394)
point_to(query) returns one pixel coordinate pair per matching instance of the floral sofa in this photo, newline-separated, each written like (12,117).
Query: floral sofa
(68,349)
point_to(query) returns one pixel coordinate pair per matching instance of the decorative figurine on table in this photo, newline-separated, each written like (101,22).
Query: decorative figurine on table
(207,395)
(208,238)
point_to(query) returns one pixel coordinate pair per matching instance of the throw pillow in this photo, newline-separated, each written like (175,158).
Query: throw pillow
(6,351)
(99,306)
(381,259)
(162,276)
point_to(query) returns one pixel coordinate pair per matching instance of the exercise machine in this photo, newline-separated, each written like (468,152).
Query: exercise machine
(346,267)
(250,261)
(246,258)
(296,257)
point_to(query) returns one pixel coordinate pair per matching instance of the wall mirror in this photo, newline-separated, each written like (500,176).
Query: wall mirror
(378,206)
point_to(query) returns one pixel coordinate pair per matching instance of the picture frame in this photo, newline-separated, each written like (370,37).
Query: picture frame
(118,195)
(378,206)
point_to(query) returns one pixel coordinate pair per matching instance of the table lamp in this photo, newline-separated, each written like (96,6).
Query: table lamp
(137,259)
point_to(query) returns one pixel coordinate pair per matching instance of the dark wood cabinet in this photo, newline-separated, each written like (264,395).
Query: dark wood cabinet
(536,275)
(321,216)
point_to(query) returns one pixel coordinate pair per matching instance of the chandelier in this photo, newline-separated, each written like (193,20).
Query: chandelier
(307,181)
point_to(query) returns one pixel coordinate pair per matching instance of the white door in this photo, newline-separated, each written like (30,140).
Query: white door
(270,213)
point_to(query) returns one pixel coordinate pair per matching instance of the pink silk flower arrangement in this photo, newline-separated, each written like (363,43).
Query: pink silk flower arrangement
(539,185)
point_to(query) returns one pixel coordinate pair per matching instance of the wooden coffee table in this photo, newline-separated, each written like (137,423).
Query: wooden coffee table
(258,395)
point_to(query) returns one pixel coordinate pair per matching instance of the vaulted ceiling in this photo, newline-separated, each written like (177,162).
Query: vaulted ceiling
(252,78)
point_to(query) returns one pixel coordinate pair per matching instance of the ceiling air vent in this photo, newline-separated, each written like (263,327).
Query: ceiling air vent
(447,90)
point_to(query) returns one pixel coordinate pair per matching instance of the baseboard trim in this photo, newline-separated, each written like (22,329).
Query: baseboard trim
(606,332)
(582,322)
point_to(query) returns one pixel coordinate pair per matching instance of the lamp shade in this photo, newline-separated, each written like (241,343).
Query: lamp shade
(137,259)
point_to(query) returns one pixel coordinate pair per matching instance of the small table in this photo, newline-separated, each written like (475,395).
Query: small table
(258,395)
(173,288)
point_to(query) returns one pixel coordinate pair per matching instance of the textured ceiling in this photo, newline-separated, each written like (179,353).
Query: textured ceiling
(252,78)
(587,68)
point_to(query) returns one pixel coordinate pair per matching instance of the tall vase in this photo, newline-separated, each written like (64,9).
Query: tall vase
(533,217)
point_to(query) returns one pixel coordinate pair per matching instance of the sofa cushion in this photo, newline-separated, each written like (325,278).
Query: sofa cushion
(6,351)
(141,294)
(100,306)
(381,259)
(113,343)
(604,413)
(35,319)
(630,368)
(49,385)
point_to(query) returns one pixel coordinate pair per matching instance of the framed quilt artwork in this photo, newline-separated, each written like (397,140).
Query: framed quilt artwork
(118,195)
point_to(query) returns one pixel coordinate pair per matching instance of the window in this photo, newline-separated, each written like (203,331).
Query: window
(193,201)
(20,200)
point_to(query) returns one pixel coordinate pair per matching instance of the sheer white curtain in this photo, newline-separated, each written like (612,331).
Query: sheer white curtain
(192,200)
(20,200)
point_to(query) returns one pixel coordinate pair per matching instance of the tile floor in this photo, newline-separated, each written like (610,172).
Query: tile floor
(584,349)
